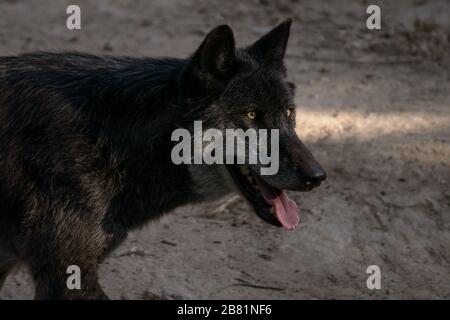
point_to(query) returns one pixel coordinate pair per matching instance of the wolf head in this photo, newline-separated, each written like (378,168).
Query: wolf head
(247,88)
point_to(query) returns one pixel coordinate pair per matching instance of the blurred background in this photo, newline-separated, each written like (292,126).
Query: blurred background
(374,108)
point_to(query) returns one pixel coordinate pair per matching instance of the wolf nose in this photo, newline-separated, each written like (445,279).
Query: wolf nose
(315,177)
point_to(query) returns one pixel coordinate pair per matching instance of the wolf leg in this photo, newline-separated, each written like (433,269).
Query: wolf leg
(53,284)
(5,268)
(7,262)
(63,251)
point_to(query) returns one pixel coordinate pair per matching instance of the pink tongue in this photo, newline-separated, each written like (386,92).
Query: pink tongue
(286,210)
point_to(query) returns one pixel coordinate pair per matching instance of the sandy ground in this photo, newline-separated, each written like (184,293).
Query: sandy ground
(374,107)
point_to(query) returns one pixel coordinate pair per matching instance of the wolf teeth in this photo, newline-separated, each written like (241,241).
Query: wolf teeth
(272,210)
(244,170)
(252,181)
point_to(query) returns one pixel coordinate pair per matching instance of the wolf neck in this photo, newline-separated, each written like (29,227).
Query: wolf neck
(137,119)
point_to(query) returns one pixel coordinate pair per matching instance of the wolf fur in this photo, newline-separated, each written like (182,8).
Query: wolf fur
(85,144)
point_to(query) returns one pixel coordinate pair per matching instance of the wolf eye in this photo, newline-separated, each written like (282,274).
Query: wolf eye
(251,115)
(289,112)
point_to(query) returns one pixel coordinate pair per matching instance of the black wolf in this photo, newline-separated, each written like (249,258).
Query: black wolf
(85,145)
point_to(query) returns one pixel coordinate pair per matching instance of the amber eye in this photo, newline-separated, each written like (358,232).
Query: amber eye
(251,115)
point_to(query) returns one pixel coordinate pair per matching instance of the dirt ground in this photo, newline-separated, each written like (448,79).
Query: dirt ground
(373,106)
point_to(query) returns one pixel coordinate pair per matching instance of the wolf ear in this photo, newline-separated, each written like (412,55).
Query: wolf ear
(271,47)
(215,59)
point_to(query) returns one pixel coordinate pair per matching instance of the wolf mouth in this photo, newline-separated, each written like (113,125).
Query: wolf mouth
(270,203)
